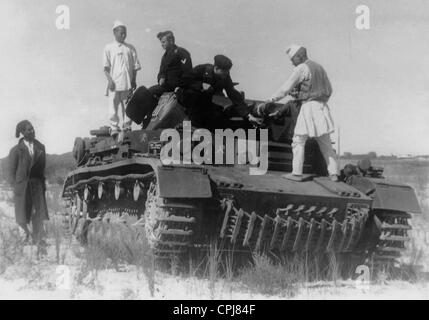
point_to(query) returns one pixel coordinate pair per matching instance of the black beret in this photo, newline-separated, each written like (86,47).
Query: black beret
(222,62)
(164,33)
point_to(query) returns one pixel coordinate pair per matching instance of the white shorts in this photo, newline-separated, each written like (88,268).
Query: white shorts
(314,120)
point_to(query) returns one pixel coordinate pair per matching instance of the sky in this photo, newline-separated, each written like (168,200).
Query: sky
(380,76)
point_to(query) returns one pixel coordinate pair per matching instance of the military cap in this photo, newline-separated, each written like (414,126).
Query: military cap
(222,62)
(161,35)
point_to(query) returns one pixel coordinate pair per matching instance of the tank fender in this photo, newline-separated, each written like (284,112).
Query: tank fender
(388,195)
(393,196)
(183,182)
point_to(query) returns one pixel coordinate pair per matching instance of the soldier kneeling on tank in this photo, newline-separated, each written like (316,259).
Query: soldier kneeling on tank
(200,85)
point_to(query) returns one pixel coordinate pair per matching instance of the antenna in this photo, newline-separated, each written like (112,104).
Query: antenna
(338,147)
(338,143)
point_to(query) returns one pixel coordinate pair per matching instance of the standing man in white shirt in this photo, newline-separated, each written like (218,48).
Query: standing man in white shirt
(310,85)
(120,67)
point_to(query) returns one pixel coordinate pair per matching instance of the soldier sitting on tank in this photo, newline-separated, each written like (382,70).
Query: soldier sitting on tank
(174,63)
(200,85)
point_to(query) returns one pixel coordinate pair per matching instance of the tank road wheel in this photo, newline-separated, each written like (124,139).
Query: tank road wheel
(169,226)
(111,227)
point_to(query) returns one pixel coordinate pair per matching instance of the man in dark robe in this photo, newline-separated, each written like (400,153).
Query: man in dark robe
(26,168)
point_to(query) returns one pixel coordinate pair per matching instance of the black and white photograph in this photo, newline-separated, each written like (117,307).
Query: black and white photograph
(214,150)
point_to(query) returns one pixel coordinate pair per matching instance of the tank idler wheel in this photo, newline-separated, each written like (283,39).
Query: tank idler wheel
(79,150)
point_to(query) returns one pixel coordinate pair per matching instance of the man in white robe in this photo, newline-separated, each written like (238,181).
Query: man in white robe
(120,64)
(309,84)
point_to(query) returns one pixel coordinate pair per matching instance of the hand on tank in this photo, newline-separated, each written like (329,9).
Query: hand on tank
(161,81)
(254,120)
(274,115)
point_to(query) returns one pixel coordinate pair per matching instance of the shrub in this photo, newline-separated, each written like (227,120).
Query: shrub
(266,277)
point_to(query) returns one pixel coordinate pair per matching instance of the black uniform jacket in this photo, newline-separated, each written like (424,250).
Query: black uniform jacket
(174,63)
(204,73)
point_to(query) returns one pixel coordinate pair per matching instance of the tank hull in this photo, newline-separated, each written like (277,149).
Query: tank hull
(250,212)
(178,207)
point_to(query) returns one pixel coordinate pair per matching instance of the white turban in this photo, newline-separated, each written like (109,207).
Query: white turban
(118,23)
(292,50)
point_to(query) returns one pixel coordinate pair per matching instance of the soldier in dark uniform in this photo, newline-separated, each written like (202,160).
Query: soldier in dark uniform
(198,88)
(174,63)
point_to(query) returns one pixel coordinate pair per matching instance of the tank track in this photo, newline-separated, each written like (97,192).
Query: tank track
(295,228)
(71,217)
(303,228)
(393,230)
(84,211)
(170,226)
(77,221)
(119,229)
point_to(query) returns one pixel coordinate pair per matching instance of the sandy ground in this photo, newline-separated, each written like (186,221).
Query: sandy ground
(110,284)
(45,279)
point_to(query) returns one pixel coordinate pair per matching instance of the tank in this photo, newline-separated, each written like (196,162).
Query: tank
(120,183)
